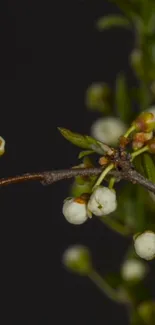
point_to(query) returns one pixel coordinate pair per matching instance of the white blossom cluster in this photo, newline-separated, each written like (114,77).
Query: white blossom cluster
(101,203)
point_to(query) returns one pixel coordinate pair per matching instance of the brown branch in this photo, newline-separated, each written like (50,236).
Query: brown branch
(50,177)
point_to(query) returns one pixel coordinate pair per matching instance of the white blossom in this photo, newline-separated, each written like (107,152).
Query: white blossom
(145,245)
(77,258)
(133,269)
(102,201)
(108,130)
(75,210)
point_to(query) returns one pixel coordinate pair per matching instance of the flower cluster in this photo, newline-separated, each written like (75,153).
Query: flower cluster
(144,126)
(101,202)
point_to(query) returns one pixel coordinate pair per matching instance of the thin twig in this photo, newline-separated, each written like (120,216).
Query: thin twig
(50,177)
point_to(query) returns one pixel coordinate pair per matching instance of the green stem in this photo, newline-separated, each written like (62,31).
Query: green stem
(116,226)
(131,129)
(104,286)
(112,182)
(103,174)
(138,152)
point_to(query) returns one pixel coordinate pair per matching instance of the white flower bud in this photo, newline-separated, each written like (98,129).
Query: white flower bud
(108,130)
(77,259)
(102,201)
(133,270)
(2,146)
(145,245)
(75,210)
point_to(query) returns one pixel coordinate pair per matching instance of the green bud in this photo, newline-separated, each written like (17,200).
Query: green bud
(145,122)
(151,145)
(97,97)
(147,312)
(77,259)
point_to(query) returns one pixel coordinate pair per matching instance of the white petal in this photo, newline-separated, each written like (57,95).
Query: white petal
(133,269)
(145,245)
(102,201)
(74,212)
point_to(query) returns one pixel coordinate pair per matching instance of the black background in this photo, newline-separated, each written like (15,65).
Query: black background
(50,53)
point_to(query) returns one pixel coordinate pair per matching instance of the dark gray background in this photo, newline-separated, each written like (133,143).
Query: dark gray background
(51,52)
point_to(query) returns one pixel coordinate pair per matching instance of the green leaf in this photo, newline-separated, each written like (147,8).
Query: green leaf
(149,167)
(122,99)
(84,141)
(112,21)
(85,153)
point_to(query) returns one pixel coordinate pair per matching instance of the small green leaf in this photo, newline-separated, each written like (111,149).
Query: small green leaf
(112,21)
(85,153)
(149,167)
(84,141)
(122,99)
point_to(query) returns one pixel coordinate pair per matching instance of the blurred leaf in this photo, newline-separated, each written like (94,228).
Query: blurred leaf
(138,164)
(127,7)
(140,209)
(112,21)
(84,141)
(122,98)
(131,208)
(137,62)
(85,153)
(149,167)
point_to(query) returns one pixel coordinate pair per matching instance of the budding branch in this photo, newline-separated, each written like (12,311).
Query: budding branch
(50,177)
